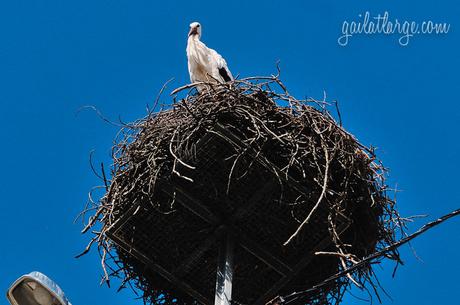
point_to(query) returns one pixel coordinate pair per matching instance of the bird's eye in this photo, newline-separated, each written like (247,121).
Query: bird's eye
(198,26)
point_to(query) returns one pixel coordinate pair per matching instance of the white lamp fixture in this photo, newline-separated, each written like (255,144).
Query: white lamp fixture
(36,288)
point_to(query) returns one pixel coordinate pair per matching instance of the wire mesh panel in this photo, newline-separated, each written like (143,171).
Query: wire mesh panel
(228,192)
(300,197)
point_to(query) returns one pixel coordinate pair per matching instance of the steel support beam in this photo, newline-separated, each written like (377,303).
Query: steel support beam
(271,293)
(199,209)
(224,271)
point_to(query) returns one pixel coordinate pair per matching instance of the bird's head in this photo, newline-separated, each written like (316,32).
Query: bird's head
(195,29)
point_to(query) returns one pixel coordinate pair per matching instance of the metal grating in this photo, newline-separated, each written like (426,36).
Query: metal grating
(182,246)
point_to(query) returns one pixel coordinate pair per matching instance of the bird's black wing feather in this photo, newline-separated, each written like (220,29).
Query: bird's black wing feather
(224,74)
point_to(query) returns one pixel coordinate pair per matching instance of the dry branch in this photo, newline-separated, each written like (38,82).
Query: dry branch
(297,296)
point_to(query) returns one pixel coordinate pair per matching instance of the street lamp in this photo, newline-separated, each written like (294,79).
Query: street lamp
(36,288)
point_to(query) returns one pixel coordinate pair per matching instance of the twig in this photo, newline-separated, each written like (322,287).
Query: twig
(323,192)
(294,296)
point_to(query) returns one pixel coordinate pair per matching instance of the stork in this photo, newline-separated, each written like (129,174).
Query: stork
(204,64)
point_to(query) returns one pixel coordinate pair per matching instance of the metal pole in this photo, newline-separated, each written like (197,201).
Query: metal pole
(224,271)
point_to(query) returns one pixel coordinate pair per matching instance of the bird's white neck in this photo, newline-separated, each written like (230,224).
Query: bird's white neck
(193,45)
(197,52)
(194,37)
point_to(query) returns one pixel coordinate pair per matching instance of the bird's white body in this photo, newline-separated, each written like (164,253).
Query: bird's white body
(205,64)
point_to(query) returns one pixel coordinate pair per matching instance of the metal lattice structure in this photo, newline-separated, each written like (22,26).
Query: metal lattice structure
(228,190)
(253,217)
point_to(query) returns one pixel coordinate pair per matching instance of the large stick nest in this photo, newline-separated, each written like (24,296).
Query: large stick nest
(321,180)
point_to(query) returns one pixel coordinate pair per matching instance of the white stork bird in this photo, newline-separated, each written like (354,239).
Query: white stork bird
(204,64)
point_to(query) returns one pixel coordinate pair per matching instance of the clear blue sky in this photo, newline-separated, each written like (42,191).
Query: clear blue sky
(56,56)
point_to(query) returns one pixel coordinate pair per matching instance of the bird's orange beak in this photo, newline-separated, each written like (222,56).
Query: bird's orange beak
(193,31)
